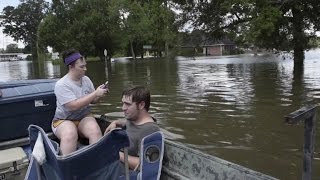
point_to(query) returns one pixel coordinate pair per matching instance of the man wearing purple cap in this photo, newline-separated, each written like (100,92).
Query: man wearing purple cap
(74,93)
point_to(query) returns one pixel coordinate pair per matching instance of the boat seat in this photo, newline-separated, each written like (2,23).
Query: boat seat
(96,161)
(151,155)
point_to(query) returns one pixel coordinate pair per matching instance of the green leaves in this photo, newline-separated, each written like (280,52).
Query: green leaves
(92,25)
(95,25)
(21,23)
(280,25)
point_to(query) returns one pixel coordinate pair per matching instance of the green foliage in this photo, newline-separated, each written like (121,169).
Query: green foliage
(91,25)
(87,25)
(314,42)
(58,62)
(280,25)
(44,56)
(124,26)
(186,52)
(29,58)
(146,23)
(13,48)
(82,25)
(91,58)
(21,23)
(236,51)
(94,25)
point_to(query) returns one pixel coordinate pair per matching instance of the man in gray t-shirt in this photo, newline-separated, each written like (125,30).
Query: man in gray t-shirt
(138,123)
(137,132)
(74,93)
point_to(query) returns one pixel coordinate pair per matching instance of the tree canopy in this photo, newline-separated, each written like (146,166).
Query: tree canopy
(115,25)
(21,23)
(124,26)
(13,48)
(273,24)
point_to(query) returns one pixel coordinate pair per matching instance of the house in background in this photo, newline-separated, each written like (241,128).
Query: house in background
(218,48)
(54,55)
(209,46)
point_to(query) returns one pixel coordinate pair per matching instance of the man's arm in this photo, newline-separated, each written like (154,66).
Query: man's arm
(115,124)
(132,161)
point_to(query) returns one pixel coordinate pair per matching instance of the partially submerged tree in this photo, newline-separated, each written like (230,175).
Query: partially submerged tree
(281,25)
(146,23)
(88,25)
(21,23)
(95,25)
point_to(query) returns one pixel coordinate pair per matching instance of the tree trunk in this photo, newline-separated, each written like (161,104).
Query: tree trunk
(132,51)
(142,51)
(299,39)
(298,55)
(166,49)
(34,50)
(255,51)
(166,44)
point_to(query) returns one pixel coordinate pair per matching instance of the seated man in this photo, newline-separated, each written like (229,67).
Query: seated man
(138,123)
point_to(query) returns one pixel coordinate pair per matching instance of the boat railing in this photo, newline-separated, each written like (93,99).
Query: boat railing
(308,115)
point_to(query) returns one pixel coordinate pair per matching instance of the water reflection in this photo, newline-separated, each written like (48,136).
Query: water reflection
(51,71)
(15,70)
(231,107)
(27,70)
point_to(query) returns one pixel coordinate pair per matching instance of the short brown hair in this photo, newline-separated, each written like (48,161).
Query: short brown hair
(139,94)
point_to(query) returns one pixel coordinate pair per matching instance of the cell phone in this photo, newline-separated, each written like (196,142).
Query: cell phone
(105,86)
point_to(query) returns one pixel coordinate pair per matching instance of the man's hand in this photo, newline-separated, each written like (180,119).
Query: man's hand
(110,127)
(115,124)
(132,160)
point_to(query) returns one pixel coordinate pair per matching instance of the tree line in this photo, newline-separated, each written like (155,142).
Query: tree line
(125,26)
(12,48)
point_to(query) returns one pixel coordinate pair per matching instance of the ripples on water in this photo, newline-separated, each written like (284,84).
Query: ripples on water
(232,107)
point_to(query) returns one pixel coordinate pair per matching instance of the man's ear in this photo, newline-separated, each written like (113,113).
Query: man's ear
(141,105)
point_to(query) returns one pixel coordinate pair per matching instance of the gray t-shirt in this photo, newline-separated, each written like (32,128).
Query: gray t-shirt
(66,91)
(136,133)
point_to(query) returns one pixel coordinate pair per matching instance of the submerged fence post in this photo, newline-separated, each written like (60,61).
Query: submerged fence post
(308,114)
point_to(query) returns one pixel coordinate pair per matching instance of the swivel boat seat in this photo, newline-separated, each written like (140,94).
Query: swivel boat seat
(97,161)
(151,155)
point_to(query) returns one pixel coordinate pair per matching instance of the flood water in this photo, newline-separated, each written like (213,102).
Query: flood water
(231,107)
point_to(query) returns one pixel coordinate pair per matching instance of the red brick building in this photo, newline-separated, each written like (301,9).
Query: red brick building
(198,42)
(218,49)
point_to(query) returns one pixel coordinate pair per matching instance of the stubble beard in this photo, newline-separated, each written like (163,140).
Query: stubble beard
(132,118)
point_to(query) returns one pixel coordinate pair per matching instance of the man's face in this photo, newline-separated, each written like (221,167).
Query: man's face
(80,67)
(130,109)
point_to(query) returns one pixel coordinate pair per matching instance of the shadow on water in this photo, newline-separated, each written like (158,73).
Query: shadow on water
(232,107)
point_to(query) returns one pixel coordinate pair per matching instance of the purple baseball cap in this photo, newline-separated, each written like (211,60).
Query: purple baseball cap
(73,57)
